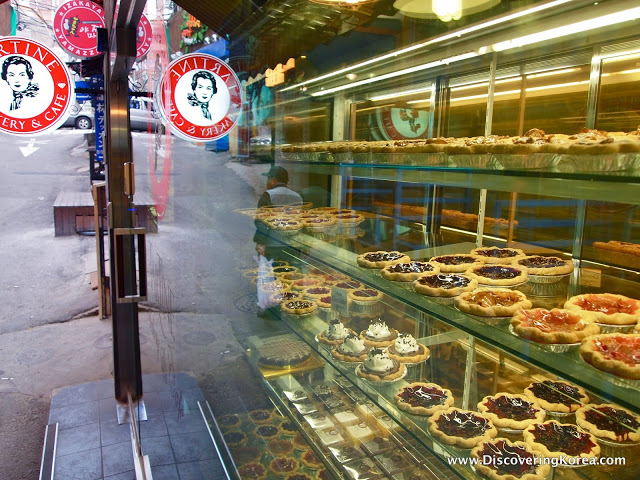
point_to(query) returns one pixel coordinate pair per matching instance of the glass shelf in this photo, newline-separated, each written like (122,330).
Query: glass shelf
(569,366)
(611,186)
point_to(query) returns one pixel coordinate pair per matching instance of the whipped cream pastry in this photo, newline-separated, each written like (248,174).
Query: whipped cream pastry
(378,361)
(352,344)
(406,344)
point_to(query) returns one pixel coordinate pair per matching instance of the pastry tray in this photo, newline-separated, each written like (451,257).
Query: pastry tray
(313,363)
(550,347)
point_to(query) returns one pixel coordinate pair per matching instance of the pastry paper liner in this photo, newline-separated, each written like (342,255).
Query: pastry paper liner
(405,285)
(613,162)
(550,347)
(531,161)
(547,278)
(482,160)
(442,300)
(493,321)
(611,448)
(607,328)
(287,233)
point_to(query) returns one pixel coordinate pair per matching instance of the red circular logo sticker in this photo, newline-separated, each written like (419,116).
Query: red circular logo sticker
(36,89)
(144,34)
(75,26)
(206,97)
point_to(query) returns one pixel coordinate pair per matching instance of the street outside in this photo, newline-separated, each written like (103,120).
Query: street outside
(50,335)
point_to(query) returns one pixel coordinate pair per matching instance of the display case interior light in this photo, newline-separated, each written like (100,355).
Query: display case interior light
(400,94)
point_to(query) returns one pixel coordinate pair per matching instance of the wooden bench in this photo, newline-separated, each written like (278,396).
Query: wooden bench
(73,213)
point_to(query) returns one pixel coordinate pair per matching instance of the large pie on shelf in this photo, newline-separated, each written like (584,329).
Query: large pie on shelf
(497,254)
(512,411)
(492,302)
(555,326)
(615,353)
(609,421)
(463,428)
(422,398)
(557,396)
(457,263)
(554,439)
(508,460)
(407,272)
(498,275)
(381,259)
(608,308)
(547,266)
(444,284)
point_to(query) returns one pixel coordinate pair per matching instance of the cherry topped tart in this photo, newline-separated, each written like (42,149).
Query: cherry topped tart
(615,353)
(555,326)
(421,398)
(381,259)
(444,284)
(365,296)
(609,421)
(253,471)
(492,302)
(456,263)
(547,266)
(506,460)
(555,439)
(407,272)
(281,466)
(497,254)
(498,275)
(608,308)
(512,411)
(299,307)
(557,396)
(463,428)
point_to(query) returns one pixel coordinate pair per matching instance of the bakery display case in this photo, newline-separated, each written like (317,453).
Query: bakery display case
(463,290)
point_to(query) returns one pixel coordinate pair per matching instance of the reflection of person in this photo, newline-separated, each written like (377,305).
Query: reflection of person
(277,193)
(203,85)
(18,74)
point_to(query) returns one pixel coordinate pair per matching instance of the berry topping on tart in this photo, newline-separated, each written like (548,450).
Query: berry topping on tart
(383,256)
(461,427)
(285,296)
(609,421)
(317,291)
(454,259)
(542,262)
(348,285)
(562,438)
(496,252)
(444,280)
(283,465)
(381,259)
(267,431)
(423,398)
(411,267)
(252,471)
(499,458)
(366,293)
(557,396)
(497,272)
(510,407)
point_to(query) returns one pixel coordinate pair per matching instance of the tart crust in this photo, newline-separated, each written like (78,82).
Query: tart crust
(492,302)
(416,357)
(541,469)
(379,343)
(573,430)
(448,263)
(253,471)
(557,325)
(488,432)
(518,274)
(615,353)
(558,387)
(299,307)
(599,303)
(421,410)
(377,378)
(498,255)
(408,272)
(338,355)
(382,262)
(273,466)
(516,401)
(365,296)
(631,434)
(423,288)
(562,267)
(311,460)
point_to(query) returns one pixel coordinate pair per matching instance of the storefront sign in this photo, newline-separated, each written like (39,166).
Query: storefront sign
(206,97)
(36,90)
(144,35)
(75,25)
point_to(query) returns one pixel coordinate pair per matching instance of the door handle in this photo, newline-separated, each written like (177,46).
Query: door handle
(120,235)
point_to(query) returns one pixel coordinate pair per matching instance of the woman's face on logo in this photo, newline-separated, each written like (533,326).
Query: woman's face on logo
(17,77)
(204,90)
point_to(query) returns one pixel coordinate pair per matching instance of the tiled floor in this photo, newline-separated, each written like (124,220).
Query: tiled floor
(92,446)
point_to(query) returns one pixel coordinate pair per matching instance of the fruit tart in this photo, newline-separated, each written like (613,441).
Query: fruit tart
(498,275)
(318,222)
(280,447)
(298,307)
(555,326)
(444,284)
(545,266)
(497,254)
(615,353)
(511,411)
(253,471)
(229,421)
(283,466)
(608,308)
(557,396)
(311,460)
(307,282)
(408,272)
(456,263)
(285,296)
(610,422)
(365,296)
(379,334)
(235,438)
(501,459)
(379,367)
(554,439)
(352,349)
(267,432)
(462,428)
(242,455)
(334,334)
(492,302)
(421,398)
(407,350)
(381,259)
(316,292)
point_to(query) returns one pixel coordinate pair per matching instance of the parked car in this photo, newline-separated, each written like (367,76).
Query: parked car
(143,114)
(81,116)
